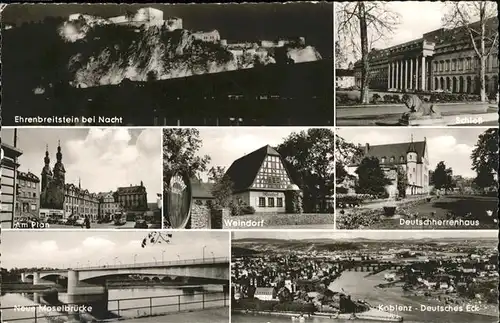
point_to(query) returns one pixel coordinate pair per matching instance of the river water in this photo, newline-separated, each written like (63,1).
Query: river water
(166,301)
(361,286)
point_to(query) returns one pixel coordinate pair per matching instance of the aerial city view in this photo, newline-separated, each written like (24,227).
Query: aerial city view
(364,276)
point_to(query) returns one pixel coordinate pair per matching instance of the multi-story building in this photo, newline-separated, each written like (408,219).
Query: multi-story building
(207,36)
(108,206)
(9,170)
(80,202)
(28,195)
(132,198)
(411,156)
(441,60)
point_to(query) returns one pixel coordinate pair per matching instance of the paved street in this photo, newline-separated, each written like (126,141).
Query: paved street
(390,113)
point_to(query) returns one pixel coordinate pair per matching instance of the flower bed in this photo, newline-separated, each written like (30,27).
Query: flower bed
(364,218)
(346,99)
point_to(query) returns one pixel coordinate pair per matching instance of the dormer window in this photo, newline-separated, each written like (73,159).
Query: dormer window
(383,160)
(402,159)
(393,159)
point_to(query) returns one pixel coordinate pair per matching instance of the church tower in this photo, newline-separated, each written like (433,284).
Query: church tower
(59,171)
(411,166)
(46,172)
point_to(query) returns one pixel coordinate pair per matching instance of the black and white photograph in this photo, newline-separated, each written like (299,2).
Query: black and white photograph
(111,276)
(172,65)
(364,276)
(81,177)
(248,178)
(416,178)
(416,63)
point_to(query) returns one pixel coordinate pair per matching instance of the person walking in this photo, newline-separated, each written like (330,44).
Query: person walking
(87,222)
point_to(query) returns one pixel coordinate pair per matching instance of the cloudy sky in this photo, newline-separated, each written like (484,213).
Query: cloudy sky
(415,19)
(451,145)
(228,144)
(104,159)
(63,249)
(434,234)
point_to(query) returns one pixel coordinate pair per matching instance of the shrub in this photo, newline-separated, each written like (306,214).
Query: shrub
(376,98)
(396,98)
(405,97)
(247,209)
(388,98)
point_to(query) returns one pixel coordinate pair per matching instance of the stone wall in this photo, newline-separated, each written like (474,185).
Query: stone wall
(204,218)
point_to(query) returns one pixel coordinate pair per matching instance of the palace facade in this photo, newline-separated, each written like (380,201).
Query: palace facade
(441,60)
(411,156)
(132,198)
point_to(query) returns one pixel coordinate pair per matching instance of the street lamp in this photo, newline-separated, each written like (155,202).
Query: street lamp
(156,261)
(135,256)
(77,264)
(162,252)
(178,256)
(204,252)
(116,258)
(213,256)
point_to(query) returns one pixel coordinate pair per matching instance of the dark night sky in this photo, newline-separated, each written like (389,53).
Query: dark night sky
(239,22)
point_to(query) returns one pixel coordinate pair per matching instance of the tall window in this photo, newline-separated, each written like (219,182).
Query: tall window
(270,201)
(447,65)
(441,66)
(467,63)
(262,202)
(279,202)
(454,65)
(272,174)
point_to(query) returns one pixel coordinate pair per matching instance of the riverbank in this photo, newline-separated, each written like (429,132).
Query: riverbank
(213,315)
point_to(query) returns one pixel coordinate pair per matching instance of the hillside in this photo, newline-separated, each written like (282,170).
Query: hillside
(91,52)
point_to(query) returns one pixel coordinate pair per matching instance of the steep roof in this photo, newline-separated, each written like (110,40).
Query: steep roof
(243,171)
(397,151)
(201,190)
(29,176)
(137,189)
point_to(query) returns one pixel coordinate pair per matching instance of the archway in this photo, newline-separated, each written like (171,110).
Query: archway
(461,84)
(441,83)
(436,83)
(454,87)
(469,85)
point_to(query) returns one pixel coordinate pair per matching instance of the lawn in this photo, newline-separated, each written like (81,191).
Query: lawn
(451,207)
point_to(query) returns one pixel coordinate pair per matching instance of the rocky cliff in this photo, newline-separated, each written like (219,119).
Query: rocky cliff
(105,53)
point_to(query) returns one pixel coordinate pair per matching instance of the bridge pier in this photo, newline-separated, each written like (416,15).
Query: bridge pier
(36,298)
(83,293)
(36,278)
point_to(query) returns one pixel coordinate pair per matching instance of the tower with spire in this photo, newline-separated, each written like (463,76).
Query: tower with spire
(411,165)
(59,171)
(46,171)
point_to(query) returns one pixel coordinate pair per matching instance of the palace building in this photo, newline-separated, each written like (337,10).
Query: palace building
(132,198)
(411,156)
(441,60)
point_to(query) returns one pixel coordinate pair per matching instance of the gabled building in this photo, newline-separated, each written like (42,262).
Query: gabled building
(411,156)
(260,179)
(28,195)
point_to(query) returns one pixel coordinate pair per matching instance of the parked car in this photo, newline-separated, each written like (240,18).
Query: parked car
(62,221)
(51,220)
(140,224)
(80,222)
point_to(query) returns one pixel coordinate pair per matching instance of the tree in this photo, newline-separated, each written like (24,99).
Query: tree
(485,159)
(309,157)
(345,153)
(180,148)
(371,177)
(340,57)
(402,181)
(360,25)
(222,190)
(442,177)
(479,21)
(156,237)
